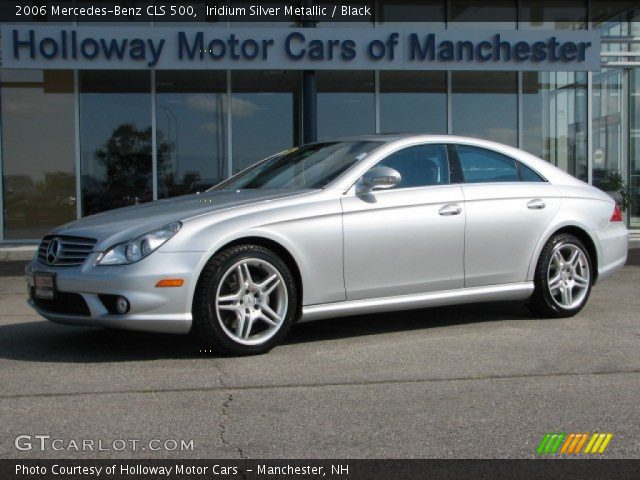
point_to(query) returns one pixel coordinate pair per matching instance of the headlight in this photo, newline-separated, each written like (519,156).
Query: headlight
(138,248)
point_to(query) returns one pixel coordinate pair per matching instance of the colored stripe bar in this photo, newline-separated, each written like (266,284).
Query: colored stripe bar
(543,443)
(582,442)
(576,441)
(596,445)
(594,437)
(572,443)
(605,442)
(569,441)
(550,443)
(555,442)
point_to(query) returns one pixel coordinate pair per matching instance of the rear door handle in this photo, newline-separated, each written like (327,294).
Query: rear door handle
(452,209)
(536,204)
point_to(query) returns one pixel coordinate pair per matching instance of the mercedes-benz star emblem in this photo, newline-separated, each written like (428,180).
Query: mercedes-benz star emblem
(53,250)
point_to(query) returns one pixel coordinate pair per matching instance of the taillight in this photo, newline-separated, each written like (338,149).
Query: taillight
(617,214)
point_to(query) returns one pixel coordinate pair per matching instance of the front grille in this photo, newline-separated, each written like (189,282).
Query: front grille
(72,251)
(64,303)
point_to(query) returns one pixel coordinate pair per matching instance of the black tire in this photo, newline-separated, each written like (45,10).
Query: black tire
(207,328)
(542,302)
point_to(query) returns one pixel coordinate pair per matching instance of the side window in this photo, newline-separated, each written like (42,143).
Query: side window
(527,174)
(420,166)
(480,165)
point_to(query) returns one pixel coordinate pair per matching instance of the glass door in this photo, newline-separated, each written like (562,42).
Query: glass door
(634,148)
(609,160)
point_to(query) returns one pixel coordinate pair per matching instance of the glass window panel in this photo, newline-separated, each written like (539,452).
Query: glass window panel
(419,166)
(311,166)
(485,105)
(262,106)
(472,14)
(413,102)
(606,14)
(115,139)
(346,104)
(38,155)
(552,14)
(191,130)
(554,120)
(480,165)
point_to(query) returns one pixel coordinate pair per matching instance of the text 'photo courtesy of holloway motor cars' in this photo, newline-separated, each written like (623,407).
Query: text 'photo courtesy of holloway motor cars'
(353,226)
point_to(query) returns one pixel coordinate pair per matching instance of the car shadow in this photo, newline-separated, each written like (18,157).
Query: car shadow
(43,341)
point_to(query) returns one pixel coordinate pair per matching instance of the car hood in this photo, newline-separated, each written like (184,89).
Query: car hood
(123,224)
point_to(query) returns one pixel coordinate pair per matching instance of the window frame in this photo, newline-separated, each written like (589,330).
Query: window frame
(453,153)
(518,166)
(447,157)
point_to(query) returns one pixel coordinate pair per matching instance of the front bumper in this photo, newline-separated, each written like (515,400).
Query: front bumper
(83,287)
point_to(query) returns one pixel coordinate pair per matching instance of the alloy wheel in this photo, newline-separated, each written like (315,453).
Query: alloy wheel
(251,301)
(568,275)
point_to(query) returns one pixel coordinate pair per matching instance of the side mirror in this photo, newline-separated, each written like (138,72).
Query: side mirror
(378,178)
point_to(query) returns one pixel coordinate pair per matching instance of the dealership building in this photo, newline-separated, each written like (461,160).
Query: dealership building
(99,115)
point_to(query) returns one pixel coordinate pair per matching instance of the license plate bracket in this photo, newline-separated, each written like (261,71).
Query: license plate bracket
(44,285)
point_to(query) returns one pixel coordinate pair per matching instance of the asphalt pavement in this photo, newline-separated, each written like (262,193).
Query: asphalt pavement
(475,381)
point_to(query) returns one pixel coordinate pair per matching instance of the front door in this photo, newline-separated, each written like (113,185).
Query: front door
(410,238)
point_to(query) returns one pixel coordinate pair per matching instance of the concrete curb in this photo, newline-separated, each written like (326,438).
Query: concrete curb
(13,253)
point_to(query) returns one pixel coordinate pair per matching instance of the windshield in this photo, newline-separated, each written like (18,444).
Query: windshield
(310,166)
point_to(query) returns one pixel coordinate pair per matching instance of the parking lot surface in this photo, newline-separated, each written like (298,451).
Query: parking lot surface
(475,381)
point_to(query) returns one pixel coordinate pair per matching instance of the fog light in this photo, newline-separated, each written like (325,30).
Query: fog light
(122,305)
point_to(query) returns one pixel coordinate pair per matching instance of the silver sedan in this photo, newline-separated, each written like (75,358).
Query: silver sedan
(355,226)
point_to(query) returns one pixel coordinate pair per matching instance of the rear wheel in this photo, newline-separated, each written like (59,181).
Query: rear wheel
(563,278)
(245,301)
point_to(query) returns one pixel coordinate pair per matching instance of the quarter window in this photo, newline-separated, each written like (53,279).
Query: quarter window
(528,174)
(480,165)
(420,166)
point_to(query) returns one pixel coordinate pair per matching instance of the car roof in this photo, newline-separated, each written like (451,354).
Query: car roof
(392,137)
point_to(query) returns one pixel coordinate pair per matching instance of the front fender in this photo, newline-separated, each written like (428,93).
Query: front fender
(312,236)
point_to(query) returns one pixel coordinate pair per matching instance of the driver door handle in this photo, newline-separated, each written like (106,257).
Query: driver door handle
(451,209)
(536,204)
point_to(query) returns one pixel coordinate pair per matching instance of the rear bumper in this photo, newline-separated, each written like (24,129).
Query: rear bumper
(163,310)
(613,248)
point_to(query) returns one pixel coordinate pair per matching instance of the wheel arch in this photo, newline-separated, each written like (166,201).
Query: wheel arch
(577,232)
(276,248)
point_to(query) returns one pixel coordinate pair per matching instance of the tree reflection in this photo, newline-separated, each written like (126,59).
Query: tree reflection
(127,178)
(32,206)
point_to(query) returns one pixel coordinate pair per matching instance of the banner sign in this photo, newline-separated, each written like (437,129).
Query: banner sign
(246,48)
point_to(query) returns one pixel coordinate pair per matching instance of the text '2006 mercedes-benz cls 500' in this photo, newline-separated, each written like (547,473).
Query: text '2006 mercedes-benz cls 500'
(354,226)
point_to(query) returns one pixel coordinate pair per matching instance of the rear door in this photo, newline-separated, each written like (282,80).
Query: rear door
(508,207)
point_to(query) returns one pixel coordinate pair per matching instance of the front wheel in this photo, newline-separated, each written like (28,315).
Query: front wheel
(245,301)
(563,278)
